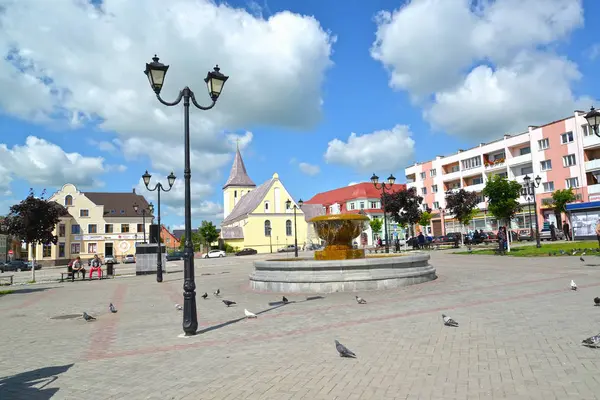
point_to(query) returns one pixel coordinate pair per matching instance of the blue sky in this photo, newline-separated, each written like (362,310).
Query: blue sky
(443,75)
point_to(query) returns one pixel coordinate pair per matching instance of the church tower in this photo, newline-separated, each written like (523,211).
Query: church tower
(238,184)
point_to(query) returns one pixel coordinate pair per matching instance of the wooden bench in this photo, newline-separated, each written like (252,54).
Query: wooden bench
(7,278)
(69,274)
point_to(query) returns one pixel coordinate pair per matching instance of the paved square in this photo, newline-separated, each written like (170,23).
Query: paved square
(519,337)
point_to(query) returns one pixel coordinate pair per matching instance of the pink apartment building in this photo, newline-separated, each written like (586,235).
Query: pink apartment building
(564,153)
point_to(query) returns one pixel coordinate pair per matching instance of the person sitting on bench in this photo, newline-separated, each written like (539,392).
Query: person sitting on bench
(96,266)
(76,267)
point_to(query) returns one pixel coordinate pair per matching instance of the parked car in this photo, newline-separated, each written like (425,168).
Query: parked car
(129,259)
(18,266)
(545,234)
(214,254)
(524,234)
(286,249)
(110,259)
(246,252)
(176,255)
(313,246)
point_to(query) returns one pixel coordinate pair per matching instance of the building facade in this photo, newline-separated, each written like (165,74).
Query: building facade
(258,217)
(171,242)
(564,153)
(98,223)
(360,198)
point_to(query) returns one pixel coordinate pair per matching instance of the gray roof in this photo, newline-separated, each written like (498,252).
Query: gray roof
(232,232)
(248,202)
(178,233)
(119,204)
(312,210)
(238,175)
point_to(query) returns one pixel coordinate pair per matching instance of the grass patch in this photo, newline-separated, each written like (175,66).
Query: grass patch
(546,249)
(5,292)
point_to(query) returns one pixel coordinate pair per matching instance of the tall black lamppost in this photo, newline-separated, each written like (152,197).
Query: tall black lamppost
(159,188)
(530,187)
(288,204)
(270,241)
(136,208)
(156,71)
(383,186)
(593,120)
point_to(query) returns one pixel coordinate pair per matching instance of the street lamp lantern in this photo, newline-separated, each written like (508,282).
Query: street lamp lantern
(288,204)
(171,178)
(383,186)
(527,179)
(538,180)
(136,207)
(530,189)
(146,177)
(593,120)
(156,71)
(391,179)
(300,203)
(151,208)
(215,81)
(375,179)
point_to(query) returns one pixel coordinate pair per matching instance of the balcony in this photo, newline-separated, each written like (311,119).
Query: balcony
(524,159)
(592,165)
(593,189)
(452,176)
(490,166)
(591,141)
(475,188)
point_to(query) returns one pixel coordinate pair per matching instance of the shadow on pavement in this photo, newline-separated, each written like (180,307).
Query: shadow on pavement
(31,290)
(31,384)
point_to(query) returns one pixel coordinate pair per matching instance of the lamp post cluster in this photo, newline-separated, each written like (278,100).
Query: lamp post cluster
(529,187)
(383,186)
(136,208)
(215,80)
(288,204)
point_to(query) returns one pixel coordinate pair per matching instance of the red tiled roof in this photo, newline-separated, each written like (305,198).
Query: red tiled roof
(363,190)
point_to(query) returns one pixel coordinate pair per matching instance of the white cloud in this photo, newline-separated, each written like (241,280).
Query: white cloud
(353,183)
(594,51)
(447,48)
(309,169)
(43,163)
(380,150)
(103,145)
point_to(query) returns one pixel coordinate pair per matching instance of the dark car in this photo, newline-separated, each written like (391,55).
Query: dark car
(176,255)
(18,266)
(246,252)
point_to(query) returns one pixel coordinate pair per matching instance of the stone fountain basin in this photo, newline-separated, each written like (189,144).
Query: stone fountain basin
(312,276)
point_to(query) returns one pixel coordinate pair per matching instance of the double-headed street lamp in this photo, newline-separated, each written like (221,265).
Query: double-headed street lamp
(593,120)
(156,72)
(383,186)
(530,187)
(288,204)
(136,208)
(159,188)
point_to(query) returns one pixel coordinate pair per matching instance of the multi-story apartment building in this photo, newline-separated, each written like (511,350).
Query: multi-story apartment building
(564,153)
(98,223)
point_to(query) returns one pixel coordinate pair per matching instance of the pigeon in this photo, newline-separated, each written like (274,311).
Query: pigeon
(112,308)
(562,253)
(583,254)
(593,341)
(229,303)
(573,285)
(205,296)
(248,313)
(285,300)
(470,249)
(178,307)
(217,292)
(360,300)
(449,321)
(343,350)
(581,259)
(597,301)
(88,317)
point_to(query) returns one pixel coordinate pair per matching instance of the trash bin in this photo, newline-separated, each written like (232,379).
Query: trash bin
(110,265)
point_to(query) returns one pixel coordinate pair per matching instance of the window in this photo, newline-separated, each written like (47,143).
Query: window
(75,248)
(352,206)
(472,162)
(288,227)
(422,175)
(572,183)
(47,251)
(92,248)
(425,206)
(108,228)
(586,130)
(373,204)
(124,228)
(140,228)
(423,190)
(75,229)
(362,205)
(454,168)
(61,250)
(61,230)
(480,198)
(235,194)
(436,205)
(546,165)
(92,228)
(566,137)
(434,189)
(266,206)
(524,150)
(432,172)
(527,170)
(478,180)
(543,144)
(548,186)
(68,200)
(267,228)
(569,161)
(84,213)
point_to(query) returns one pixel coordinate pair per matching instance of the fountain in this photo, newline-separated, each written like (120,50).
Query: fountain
(339,266)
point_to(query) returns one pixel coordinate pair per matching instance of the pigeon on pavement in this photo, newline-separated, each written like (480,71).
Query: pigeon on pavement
(581,259)
(205,296)
(88,317)
(597,301)
(285,300)
(217,292)
(178,307)
(593,341)
(343,350)
(449,321)
(360,300)
(112,308)
(249,314)
(229,303)
(573,285)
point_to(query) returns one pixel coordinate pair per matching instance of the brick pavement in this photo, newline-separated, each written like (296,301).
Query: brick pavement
(519,337)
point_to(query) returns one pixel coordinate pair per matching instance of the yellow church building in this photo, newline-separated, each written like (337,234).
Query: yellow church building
(258,217)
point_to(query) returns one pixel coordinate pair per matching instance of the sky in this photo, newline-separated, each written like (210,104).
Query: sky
(325,93)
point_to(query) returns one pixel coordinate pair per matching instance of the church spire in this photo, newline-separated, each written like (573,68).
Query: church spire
(238,175)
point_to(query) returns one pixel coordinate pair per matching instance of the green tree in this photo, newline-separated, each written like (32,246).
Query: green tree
(560,199)
(196,241)
(404,206)
(208,231)
(376,225)
(425,218)
(33,221)
(463,205)
(503,198)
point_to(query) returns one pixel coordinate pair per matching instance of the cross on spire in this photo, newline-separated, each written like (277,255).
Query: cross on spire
(237,143)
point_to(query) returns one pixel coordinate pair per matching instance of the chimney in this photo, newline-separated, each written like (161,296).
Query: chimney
(532,127)
(133,190)
(506,136)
